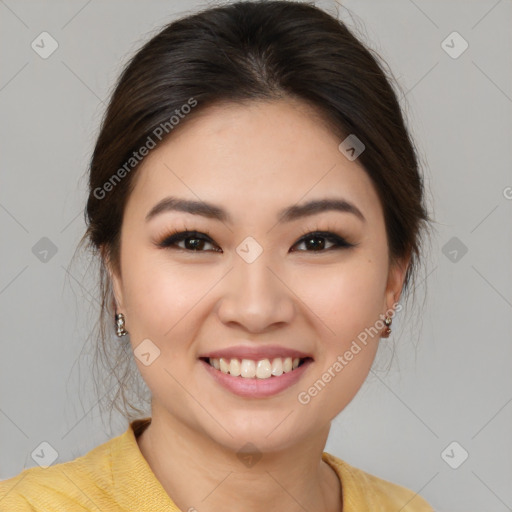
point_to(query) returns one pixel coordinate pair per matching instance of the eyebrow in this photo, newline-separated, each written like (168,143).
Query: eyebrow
(289,214)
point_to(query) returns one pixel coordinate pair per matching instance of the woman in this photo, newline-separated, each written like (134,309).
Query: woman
(256,203)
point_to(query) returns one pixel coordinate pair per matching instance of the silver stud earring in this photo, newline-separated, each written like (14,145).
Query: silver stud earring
(120,331)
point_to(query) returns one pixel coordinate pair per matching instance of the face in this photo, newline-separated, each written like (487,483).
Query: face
(254,276)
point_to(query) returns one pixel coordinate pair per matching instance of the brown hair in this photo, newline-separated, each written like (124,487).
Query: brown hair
(241,52)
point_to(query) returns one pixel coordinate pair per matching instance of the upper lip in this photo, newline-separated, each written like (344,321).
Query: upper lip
(255,353)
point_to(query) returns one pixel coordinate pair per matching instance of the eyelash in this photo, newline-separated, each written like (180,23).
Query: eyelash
(170,240)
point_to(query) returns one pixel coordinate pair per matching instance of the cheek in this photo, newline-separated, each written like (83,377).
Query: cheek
(159,295)
(168,303)
(347,298)
(347,304)
(163,301)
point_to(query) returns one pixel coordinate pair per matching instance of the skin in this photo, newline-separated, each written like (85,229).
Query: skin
(254,160)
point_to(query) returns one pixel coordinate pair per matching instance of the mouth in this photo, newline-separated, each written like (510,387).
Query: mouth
(256,378)
(256,369)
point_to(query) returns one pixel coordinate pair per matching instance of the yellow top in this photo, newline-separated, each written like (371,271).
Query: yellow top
(115,477)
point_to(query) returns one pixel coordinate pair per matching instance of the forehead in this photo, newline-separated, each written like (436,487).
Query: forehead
(253,155)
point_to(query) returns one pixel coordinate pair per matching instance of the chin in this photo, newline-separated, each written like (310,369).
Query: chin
(268,433)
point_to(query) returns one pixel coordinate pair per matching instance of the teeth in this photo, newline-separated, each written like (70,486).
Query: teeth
(224,365)
(277,367)
(234,367)
(249,369)
(263,369)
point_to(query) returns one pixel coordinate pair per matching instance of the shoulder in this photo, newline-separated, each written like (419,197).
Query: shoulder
(360,487)
(395,495)
(63,486)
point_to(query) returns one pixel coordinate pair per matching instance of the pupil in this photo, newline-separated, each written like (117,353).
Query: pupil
(196,245)
(318,245)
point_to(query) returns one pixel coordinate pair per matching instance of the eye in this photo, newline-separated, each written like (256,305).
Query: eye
(194,241)
(316,241)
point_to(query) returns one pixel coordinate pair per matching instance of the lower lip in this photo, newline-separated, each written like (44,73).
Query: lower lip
(257,388)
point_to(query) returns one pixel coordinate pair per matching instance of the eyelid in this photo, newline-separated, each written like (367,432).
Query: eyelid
(340,241)
(171,238)
(328,232)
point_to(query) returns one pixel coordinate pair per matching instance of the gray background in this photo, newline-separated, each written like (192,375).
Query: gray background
(450,378)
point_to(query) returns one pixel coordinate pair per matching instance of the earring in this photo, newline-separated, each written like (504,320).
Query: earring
(386,331)
(120,331)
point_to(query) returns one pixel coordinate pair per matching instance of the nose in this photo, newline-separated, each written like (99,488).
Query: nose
(255,296)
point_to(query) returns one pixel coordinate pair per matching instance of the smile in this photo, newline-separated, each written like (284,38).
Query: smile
(256,378)
(259,369)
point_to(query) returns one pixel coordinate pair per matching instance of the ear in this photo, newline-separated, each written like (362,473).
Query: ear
(396,278)
(116,281)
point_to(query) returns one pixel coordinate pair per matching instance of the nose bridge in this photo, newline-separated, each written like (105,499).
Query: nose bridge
(256,276)
(252,263)
(255,297)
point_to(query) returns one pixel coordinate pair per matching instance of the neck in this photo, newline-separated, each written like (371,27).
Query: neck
(200,474)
